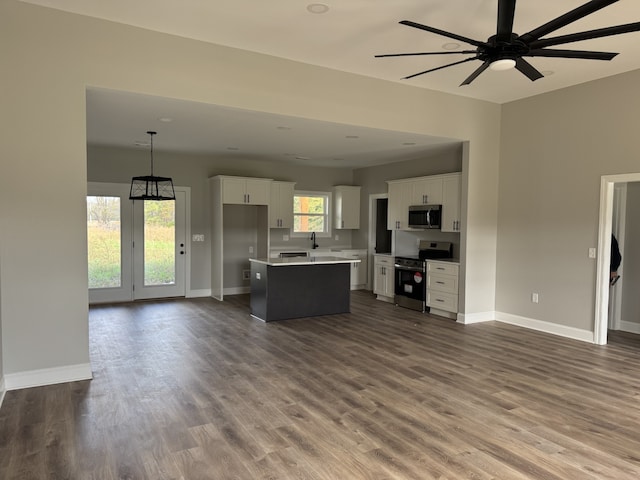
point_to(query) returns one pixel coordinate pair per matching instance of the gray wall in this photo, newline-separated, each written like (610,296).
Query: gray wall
(554,150)
(630,309)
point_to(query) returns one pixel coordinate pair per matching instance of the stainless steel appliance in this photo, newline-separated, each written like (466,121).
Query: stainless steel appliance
(411,274)
(425,216)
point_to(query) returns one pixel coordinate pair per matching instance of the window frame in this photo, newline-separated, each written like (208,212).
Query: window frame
(328,215)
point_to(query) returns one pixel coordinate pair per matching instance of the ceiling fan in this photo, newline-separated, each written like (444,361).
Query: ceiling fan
(506,49)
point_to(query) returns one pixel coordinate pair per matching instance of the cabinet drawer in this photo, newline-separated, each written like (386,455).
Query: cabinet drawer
(442,283)
(441,267)
(442,301)
(384,260)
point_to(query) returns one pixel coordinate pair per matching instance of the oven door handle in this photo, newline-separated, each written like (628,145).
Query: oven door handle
(408,269)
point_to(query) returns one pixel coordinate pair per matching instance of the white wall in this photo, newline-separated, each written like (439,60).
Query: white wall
(49,59)
(554,149)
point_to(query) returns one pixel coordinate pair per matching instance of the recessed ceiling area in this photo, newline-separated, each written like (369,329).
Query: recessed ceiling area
(121,119)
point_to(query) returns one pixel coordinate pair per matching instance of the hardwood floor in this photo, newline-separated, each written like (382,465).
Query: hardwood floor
(197,389)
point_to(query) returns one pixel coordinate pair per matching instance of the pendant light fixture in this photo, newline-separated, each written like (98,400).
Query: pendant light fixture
(150,187)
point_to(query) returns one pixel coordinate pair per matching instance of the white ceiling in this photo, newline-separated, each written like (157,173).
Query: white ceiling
(351,32)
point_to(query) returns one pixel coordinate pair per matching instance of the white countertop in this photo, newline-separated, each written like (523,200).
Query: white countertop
(320,260)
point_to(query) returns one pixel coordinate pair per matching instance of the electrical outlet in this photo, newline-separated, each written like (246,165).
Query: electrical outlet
(534,297)
(246,274)
(337,237)
(251,250)
(285,238)
(592,253)
(198,237)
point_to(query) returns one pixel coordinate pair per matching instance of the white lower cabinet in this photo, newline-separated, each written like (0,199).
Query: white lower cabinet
(442,288)
(383,279)
(358,269)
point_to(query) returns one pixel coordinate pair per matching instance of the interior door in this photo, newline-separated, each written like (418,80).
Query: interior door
(159,248)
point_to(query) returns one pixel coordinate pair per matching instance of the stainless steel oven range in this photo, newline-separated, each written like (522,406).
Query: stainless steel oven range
(411,274)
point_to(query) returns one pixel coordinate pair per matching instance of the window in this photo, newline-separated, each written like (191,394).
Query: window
(311,214)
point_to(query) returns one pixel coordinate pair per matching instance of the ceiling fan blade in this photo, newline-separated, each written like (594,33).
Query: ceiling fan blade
(476,73)
(470,41)
(467,52)
(566,19)
(440,68)
(527,69)
(588,35)
(584,54)
(506,12)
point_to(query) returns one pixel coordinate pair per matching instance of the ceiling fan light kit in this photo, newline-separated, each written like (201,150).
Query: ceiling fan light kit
(506,50)
(150,187)
(503,64)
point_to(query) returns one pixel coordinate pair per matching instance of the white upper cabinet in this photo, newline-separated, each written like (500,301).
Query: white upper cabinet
(245,190)
(346,212)
(427,191)
(400,197)
(281,205)
(433,190)
(451,203)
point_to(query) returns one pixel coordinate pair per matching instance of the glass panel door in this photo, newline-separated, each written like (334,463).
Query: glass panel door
(135,249)
(109,243)
(159,248)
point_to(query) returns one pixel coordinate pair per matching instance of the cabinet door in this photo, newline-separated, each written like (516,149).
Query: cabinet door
(347,207)
(383,281)
(427,191)
(390,281)
(258,191)
(451,204)
(399,201)
(233,190)
(281,205)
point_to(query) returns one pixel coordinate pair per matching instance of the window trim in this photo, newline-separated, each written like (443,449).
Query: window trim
(328,215)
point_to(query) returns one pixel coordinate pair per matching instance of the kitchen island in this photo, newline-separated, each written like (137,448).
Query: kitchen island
(283,288)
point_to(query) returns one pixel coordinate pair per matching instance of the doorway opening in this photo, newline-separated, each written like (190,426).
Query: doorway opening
(606,226)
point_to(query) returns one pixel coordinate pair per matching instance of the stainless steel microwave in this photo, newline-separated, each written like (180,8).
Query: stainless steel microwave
(425,216)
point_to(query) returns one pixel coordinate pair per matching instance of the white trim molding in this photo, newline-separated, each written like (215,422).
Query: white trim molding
(630,327)
(3,390)
(469,318)
(199,293)
(547,327)
(48,376)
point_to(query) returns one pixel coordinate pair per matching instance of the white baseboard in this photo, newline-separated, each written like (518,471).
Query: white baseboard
(469,318)
(547,327)
(199,293)
(3,390)
(236,290)
(48,376)
(630,327)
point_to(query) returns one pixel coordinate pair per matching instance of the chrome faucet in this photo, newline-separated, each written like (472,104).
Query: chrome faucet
(314,245)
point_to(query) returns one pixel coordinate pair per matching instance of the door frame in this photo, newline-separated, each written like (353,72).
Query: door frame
(605,226)
(122,190)
(371,247)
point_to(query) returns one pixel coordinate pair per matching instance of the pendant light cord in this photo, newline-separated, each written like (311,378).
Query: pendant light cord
(151,134)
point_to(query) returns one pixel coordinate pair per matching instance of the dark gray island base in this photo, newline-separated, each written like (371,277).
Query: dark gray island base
(293,288)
